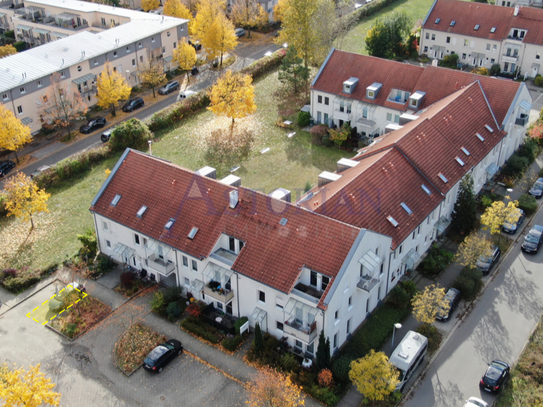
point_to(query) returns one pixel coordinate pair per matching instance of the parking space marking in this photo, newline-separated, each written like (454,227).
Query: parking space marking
(41,313)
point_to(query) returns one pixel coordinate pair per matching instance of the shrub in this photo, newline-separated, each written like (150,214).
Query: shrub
(206,332)
(528,204)
(70,330)
(127,279)
(10,34)
(304,118)
(172,294)
(468,283)
(399,298)
(20,46)
(433,335)
(529,149)
(325,378)
(539,80)
(450,60)
(486,201)
(157,302)
(173,310)
(239,322)
(231,343)
(436,261)
(515,166)
(195,309)
(289,362)
(409,287)
(11,273)
(480,71)
(3,209)
(319,133)
(131,133)
(340,369)
(324,395)
(103,264)
(494,70)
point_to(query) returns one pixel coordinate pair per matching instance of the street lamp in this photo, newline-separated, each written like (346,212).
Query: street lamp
(128,75)
(396,326)
(151,153)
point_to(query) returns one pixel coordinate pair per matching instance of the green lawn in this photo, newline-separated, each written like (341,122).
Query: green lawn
(290,163)
(355,39)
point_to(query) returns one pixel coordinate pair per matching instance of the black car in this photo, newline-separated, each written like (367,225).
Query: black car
(533,239)
(93,124)
(485,262)
(517,219)
(169,87)
(196,45)
(133,104)
(453,298)
(6,167)
(162,355)
(537,188)
(495,376)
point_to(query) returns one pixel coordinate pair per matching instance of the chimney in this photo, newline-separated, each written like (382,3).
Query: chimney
(517,9)
(233,198)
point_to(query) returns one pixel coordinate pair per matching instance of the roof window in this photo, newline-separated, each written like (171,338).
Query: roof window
(116,200)
(443,178)
(141,211)
(170,223)
(476,28)
(480,137)
(465,151)
(490,129)
(193,232)
(493,30)
(283,221)
(393,221)
(459,161)
(425,189)
(453,22)
(438,20)
(406,208)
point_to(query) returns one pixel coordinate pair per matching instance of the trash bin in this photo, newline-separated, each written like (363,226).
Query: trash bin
(194,71)
(311,122)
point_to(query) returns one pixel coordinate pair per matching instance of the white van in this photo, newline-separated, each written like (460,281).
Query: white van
(408,355)
(185,94)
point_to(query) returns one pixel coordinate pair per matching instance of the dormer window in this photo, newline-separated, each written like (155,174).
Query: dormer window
(415,100)
(116,200)
(373,90)
(169,224)
(349,85)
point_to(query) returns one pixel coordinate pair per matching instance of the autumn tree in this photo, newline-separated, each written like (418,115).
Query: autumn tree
(61,104)
(464,213)
(248,14)
(24,198)
(152,73)
(472,248)
(147,5)
(223,37)
(374,376)
(185,57)
(428,302)
(387,36)
(207,11)
(499,213)
(327,29)
(233,96)
(292,71)
(174,8)
(13,134)
(272,389)
(27,388)
(111,88)
(536,131)
(7,50)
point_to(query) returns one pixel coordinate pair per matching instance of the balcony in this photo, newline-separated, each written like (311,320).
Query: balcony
(163,267)
(222,295)
(305,333)
(522,120)
(88,90)
(510,58)
(367,282)
(398,96)
(343,114)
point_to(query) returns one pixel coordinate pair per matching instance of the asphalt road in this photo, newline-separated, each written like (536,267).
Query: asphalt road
(497,327)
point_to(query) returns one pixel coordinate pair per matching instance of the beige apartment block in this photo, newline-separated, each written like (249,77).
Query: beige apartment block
(80,56)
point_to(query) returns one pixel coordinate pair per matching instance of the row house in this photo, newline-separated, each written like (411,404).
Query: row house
(293,271)
(483,35)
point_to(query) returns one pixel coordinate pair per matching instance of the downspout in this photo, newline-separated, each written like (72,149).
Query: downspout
(97,233)
(177,268)
(388,271)
(237,289)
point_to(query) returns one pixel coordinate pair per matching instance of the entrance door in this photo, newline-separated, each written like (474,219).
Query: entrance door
(534,71)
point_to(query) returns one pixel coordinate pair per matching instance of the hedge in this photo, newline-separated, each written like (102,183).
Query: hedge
(16,281)
(20,46)
(208,333)
(231,343)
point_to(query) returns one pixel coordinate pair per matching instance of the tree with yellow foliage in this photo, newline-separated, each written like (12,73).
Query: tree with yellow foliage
(174,8)
(7,50)
(111,88)
(24,198)
(428,302)
(152,73)
(273,389)
(147,5)
(222,37)
(60,105)
(248,14)
(233,96)
(374,376)
(28,389)
(474,246)
(185,57)
(206,13)
(13,134)
(499,213)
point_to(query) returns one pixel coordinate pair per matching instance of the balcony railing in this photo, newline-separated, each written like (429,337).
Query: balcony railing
(305,333)
(367,282)
(88,90)
(163,267)
(510,58)
(221,295)
(345,115)
(522,121)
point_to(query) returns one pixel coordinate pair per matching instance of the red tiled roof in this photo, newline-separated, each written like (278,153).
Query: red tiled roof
(273,254)
(437,82)
(469,14)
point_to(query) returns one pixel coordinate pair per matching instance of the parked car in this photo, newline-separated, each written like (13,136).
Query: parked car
(196,45)
(240,32)
(537,189)
(40,170)
(185,94)
(133,104)
(475,402)
(194,71)
(169,87)
(93,124)
(162,355)
(6,167)
(533,239)
(453,298)
(485,263)
(106,135)
(511,227)
(495,376)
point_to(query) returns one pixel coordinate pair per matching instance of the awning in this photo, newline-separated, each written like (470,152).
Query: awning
(2,15)
(168,58)
(157,247)
(85,78)
(492,169)
(371,261)
(365,122)
(513,46)
(301,311)
(535,66)
(438,48)
(306,108)
(23,27)
(525,105)
(411,258)
(124,250)
(217,273)
(196,286)
(442,224)
(41,31)
(477,55)
(59,35)
(26,121)
(259,316)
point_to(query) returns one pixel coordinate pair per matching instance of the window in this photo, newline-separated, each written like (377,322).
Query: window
(494,48)
(152,39)
(325,118)
(382,268)
(168,33)
(348,327)
(219,305)
(506,66)
(310,348)
(104,225)
(232,244)
(368,305)
(185,261)
(433,37)
(187,281)
(240,245)
(313,279)
(278,305)
(425,49)
(139,44)
(298,344)
(324,282)
(335,341)
(174,45)
(389,117)
(492,61)
(95,61)
(136,239)
(413,237)
(114,54)
(466,43)
(163,50)
(22,89)
(5,96)
(279,325)
(350,302)
(448,40)
(319,99)
(133,62)
(336,315)
(537,55)
(400,249)
(326,101)
(141,59)
(108,244)
(488,47)
(194,265)
(20,109)
(103,21)
(464,56)
(261,296)
(397,118)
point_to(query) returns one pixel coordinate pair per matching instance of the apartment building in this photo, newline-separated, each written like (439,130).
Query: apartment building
(483,35)
(81,56)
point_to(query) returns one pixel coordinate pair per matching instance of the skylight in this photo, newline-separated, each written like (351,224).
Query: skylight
(407,209)
(459,161)
(490,129)
(438,20)
(116,200)
(170,223)
(453,22)
(476,27)
(425,189)
(193,232)
(283,221)
(480,137)
(443,178)
(393,221)
(493,30)
(141,211)
(465,151)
